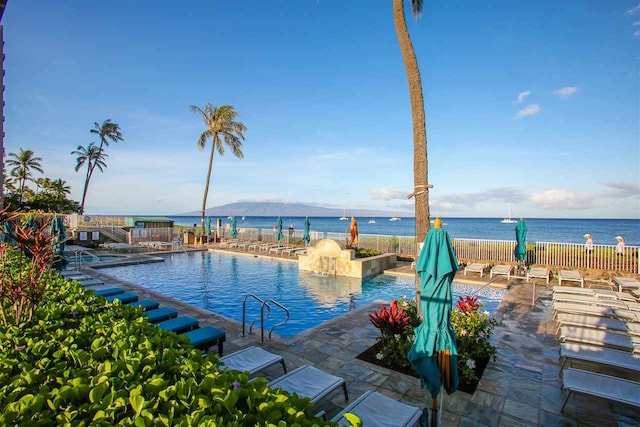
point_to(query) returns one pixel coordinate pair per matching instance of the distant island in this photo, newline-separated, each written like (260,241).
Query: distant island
(288,209)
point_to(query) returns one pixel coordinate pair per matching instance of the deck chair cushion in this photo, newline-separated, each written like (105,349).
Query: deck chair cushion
(160,314)
(504,270)
(571,351)
(252,360)
(179,324)
(570,276)
(375,409)
(108,292)
(124,298)
(310,382)
(207,336)
(147,304)
(89,282)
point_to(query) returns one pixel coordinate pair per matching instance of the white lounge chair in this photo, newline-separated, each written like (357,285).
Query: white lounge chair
(593,354)
(538,273)
(626,283)
(604,386)
(570,276)
(565,307)
(502,270)
(310,382)
(252,360)
(375,409)
(610,339)
(588,321)
(475,268)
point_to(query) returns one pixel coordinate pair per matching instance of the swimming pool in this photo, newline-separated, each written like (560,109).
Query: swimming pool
(218,282)
(101,258)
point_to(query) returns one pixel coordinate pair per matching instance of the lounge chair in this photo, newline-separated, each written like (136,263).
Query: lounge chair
(604,386)
(291,251)
(596,355)
(588,321)
(626,283)
(604,338)
(475,268)
(501,270)
(310,382)
(570,276)
(252,360)
(124,298)
(70,273)
(538,273)
(566,307)
(147,304)
(207,336)
(108,291)
(89,282)
(589,300)
(375,409)
(160,314)
(179,324)
(600,293)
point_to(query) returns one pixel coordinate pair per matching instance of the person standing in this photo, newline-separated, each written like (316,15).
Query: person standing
(588,245)
(620,246)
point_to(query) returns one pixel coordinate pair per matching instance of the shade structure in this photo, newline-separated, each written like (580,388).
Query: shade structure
(207,226)
(520,251)
(434,354)
(234,228)
(279,235)
(306,238)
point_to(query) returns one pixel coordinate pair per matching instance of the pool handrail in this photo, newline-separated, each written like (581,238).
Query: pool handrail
(286,310)
(244,314)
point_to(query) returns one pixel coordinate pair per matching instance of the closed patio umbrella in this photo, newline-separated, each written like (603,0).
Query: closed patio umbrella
(306,238)
(8,229)
(59,232)
(434,354)
(207,226)
(279,235)
(520,251)
(234,228)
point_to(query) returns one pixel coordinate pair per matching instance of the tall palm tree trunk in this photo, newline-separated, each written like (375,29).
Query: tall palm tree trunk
(206,187)
(420,166)
(86,187)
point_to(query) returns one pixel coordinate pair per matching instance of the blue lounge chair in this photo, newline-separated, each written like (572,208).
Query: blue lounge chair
(108,292)
(90,282)
(147,304)
(207,336)
(124,298)
(179,324)
(160,314)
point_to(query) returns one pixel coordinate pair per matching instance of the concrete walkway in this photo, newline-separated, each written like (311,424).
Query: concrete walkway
(521,388)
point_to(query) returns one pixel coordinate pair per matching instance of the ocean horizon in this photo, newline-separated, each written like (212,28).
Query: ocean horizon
(564,230)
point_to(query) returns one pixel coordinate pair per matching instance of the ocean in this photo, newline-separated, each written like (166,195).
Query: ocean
(563,230)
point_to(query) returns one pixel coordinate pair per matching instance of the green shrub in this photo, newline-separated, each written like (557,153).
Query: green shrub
(83,361)
(365,253)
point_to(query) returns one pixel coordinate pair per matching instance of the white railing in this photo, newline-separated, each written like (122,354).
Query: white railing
(142,235)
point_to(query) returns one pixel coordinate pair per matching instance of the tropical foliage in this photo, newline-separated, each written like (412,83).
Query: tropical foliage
(473,328)
(222,129)
(22,166)
(83,361)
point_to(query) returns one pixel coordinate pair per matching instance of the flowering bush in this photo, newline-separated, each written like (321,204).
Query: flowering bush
(473,328)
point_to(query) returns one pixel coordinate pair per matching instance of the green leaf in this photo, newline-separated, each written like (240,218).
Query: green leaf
(137,403)
(353,420)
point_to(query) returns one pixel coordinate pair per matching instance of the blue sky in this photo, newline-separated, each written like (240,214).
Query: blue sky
(529,103)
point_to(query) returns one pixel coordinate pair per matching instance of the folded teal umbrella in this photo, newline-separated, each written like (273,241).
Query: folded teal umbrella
(59,234)
(434,354)
(8,229)
(306,238)
(207,226)
(234,229)
(520,252)
(279,235)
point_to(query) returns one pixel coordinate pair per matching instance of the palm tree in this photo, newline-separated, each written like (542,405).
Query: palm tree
(60,187)
(23,163)
(220,126)
(107,131)
(93,157)
(420,164)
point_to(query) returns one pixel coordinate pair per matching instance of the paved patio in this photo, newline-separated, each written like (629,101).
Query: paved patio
(521,387)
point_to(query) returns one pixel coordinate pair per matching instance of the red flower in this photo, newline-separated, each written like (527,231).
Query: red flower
(467,304)
(391,320)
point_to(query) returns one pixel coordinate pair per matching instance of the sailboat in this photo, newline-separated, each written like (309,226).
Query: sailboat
(372,221)
(395,216)
(508,220)
(344,216)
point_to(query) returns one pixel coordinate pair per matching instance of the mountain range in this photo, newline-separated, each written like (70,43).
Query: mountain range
(288,209)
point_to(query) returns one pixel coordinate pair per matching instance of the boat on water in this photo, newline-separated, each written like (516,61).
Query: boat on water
(508,220)
(344,216)
(372,221)
(395,217)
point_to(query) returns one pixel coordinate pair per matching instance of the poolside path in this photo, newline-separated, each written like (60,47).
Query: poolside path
(520,388)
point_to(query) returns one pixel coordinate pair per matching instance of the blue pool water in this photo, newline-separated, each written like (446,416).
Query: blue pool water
(101,258)
(218,282)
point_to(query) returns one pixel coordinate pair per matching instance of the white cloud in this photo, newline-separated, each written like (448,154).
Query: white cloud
(633,10)
(563,199)
(637,33)
(529,110)
(635,24)
(388,194)
(621,189)
(523,95)
(565,92)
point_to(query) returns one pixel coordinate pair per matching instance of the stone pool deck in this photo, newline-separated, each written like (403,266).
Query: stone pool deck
(520,388)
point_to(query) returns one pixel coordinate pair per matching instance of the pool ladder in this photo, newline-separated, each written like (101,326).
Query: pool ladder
(263,304)
(78,257)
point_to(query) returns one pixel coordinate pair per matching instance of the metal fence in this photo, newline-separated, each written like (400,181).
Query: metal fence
(139,235)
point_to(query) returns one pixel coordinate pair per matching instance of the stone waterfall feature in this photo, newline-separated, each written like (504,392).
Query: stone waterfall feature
(328,257)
